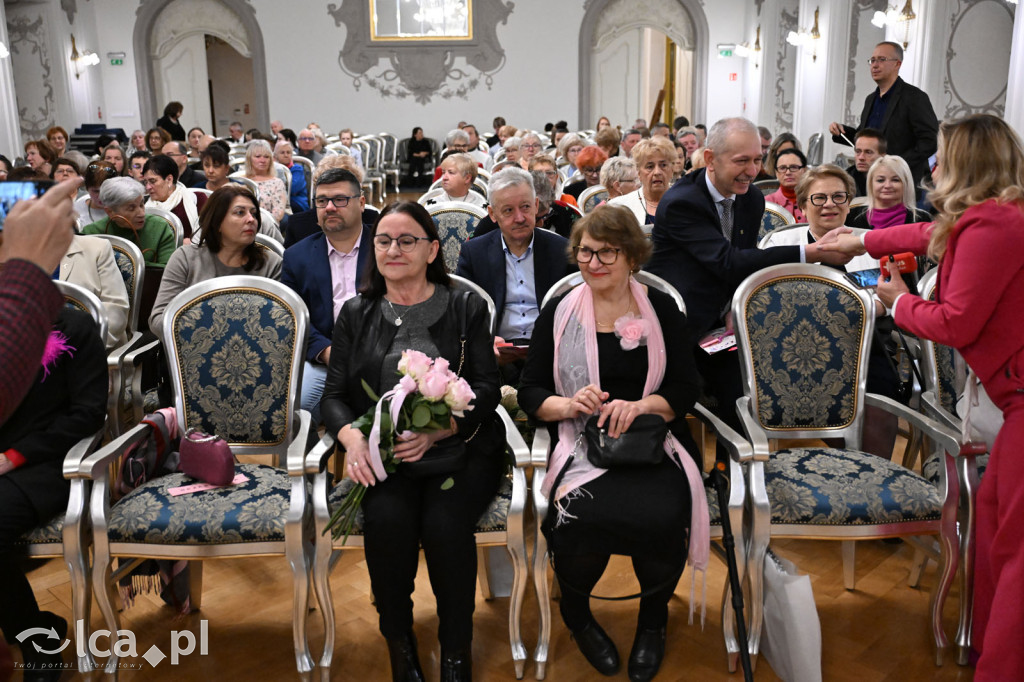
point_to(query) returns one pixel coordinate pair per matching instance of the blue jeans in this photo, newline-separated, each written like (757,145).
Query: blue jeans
(314,376)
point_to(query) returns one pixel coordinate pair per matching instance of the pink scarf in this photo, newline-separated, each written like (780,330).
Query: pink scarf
(575,366)
(880,218)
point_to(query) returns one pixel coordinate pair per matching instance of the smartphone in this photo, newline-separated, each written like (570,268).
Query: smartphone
(865,278)
(13,192)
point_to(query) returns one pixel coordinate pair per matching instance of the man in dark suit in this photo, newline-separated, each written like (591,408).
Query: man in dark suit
(325,270)
(515,264)
(902,112)
(705,245)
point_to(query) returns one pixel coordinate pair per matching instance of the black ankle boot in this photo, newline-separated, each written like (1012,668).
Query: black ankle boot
(405,662)
(457,665)
(598,648)
(647,654)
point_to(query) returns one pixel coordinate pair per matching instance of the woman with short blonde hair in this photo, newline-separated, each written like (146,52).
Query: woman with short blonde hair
(654,157)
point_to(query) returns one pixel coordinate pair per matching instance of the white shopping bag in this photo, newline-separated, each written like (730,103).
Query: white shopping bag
(791,637)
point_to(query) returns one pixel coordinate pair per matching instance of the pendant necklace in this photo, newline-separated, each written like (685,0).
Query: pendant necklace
(398,319)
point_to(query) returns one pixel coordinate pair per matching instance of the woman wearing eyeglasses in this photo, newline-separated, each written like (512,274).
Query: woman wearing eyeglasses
(589,160)
(227,246)
(600,350)
(789,168)
(407,303)
(824,194)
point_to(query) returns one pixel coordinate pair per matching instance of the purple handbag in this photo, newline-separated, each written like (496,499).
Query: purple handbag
(207,458)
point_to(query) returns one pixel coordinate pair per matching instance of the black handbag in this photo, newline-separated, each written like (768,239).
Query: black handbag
(447,455)
(642,445)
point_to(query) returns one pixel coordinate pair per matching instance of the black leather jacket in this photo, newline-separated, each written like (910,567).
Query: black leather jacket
(361,339)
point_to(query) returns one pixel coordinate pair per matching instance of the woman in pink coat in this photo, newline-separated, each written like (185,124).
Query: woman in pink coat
(978,239)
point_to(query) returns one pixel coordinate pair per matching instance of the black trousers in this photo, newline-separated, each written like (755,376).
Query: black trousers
(404,513)
(18,607)
(723,381)
(643,513)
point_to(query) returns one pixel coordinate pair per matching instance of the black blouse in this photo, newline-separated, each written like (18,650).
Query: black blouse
(623,373)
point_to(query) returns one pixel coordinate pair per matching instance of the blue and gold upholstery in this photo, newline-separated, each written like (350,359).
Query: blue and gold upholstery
(235,349)
(501,524)
(456,221)
(591,197)
(803,333)
(773,218)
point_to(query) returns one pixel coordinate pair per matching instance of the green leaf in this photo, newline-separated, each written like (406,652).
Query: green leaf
(420,416)
(448,484)
(439,408)
(369,391)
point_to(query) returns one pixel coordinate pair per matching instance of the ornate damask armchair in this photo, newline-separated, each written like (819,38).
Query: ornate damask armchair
(803,333)
(773,218)
(456,221)
(591,197)
(235,349)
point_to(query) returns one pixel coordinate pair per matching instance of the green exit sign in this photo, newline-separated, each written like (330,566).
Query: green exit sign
(116,62)
(725,53)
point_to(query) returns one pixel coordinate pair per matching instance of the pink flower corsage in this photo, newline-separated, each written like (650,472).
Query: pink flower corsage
(632,331)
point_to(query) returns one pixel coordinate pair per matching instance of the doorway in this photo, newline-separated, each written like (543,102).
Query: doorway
(232,87)
(628,60)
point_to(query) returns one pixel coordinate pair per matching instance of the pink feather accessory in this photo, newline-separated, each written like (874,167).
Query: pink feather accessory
(56,345)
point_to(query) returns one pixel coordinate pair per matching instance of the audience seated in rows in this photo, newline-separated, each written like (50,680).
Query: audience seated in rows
(868,145)
(654,159)
(590,159)
(160,178)
(259,167)
(299,195)
(458,172)
(229,224)
(122,200)
(891,196)
(789,167)
(187,176)
(325,270)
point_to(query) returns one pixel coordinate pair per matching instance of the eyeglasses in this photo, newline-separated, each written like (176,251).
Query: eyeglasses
(838,198)
(339,201)
(881,60)
(591,170)
(605,256)
(550,173)
(529,146)
(406,242)
(789,169)
(306,138)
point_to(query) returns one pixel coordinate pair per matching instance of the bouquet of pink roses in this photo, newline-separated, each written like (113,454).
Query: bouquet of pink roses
(425,399)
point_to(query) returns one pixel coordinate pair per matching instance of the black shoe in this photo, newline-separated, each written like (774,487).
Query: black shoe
(405,663)
(457,666)
(43,667)
(647,654)
(598,648)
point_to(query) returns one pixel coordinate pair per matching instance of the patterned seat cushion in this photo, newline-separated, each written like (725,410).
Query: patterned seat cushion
(253,511)
(930,467)
(52,532)
(829,487)
(493,519)
(455,227)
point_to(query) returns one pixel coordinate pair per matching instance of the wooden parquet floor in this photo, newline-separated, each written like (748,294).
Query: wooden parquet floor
(877,632)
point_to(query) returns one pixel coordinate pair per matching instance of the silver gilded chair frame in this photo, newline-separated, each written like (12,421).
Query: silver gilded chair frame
(760,525)
(296,546)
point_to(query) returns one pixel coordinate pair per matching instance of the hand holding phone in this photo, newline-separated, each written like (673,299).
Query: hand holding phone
(37,229)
